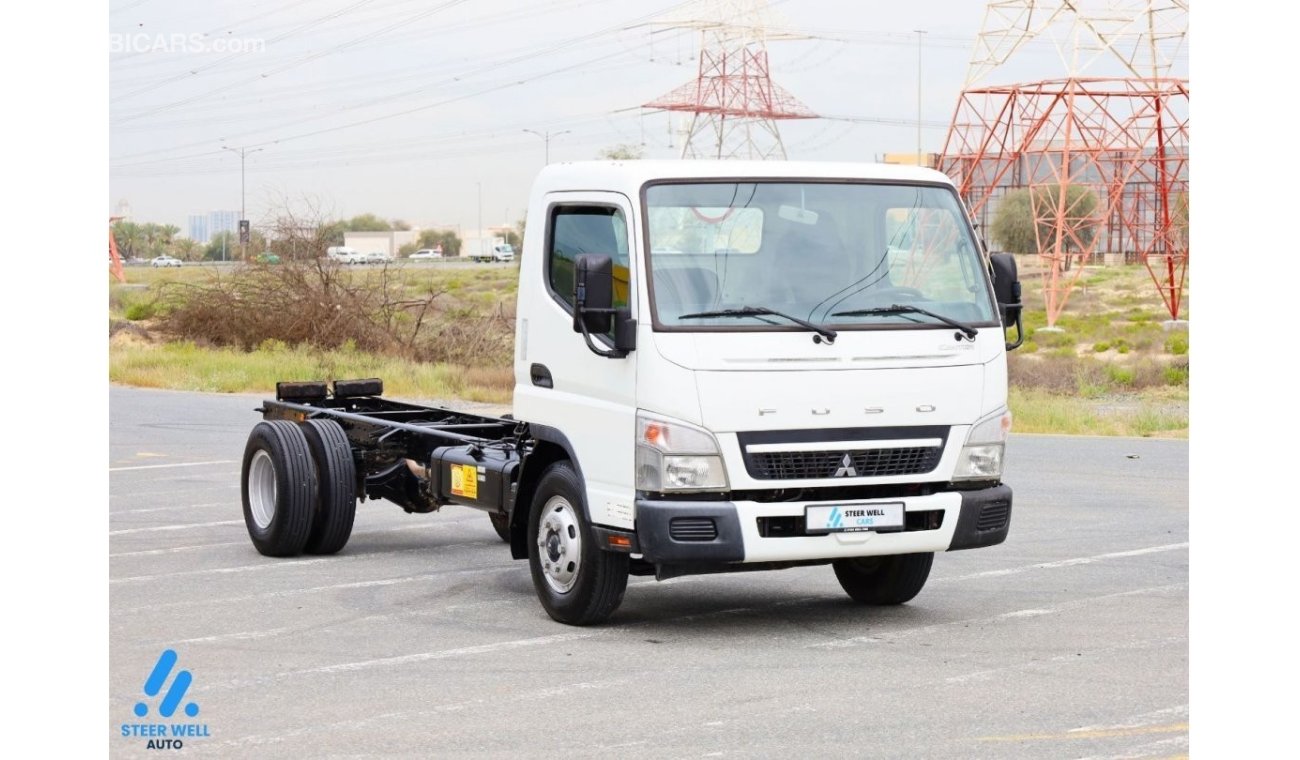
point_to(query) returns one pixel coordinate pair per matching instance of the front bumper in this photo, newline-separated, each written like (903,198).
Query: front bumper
(725,532)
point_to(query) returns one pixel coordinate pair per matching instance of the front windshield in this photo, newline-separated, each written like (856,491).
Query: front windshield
(811,250)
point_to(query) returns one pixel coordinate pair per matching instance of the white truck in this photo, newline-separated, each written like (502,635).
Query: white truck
(720,366)
(484,249)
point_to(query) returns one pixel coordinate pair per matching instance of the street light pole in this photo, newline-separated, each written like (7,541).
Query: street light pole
(546,138)
(478,239)
(243,254)
(919,33)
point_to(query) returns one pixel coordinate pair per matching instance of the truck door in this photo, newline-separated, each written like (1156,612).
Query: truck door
(560,383)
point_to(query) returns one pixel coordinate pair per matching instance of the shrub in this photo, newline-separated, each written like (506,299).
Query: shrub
(141,310)
(1176,375)
(1120,375)
(1176,344)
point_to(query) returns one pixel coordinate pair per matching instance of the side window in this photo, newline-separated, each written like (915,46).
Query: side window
(586,229)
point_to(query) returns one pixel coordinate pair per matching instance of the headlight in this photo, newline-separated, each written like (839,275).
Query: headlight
(675,456)
(981,457)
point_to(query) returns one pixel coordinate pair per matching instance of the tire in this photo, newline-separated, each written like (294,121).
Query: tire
(884,580)
(278,485)
(575,592)
(336,486)
(501,524)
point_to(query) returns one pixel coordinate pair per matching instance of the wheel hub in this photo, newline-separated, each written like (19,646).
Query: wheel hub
(559,543)
(261,489)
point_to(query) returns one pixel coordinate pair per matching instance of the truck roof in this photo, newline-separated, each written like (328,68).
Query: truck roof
(628,176)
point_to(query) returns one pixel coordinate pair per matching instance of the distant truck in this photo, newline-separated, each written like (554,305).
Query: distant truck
(494,249)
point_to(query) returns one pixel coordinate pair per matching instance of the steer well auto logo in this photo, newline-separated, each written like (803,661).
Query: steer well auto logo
(164,732)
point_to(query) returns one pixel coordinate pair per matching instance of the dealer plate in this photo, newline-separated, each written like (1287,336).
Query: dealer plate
(849,518)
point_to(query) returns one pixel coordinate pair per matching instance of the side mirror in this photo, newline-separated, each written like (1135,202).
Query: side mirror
(593,293)
(593,306)
(1006,287)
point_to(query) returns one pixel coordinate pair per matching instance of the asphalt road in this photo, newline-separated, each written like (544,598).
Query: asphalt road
(424,638)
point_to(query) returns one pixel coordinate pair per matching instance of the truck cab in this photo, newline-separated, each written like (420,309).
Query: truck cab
(755,365)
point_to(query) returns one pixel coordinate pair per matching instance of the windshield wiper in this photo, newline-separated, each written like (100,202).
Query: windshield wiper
(971,332)
(758,311)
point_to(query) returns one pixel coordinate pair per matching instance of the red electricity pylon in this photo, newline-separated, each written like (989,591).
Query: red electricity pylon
(1104,160)
(733,102)
(114,259)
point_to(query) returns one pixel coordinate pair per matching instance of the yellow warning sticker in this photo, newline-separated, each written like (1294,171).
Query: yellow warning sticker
(464,481)
(457,482)
(470,478)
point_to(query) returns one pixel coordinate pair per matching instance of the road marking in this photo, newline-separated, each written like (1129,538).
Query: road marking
(244,636)
(442,654)
(176,464)
(1102,733)
(894,634)
(174,549)
(270,564)
(174,527)
(170,550)
(164,509)
(1063,563)
(1030,665)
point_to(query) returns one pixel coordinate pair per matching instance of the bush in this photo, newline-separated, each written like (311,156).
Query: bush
(1175,344)
(1120,375)
(317,303)
(1101,347)
(136,312)
(1176,375)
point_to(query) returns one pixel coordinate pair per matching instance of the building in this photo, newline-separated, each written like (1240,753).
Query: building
(204,227)
(223,221)
(199,228)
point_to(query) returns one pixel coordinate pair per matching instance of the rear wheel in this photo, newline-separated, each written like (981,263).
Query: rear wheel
(336,486)
(278,484)
(884,580)
(576,581)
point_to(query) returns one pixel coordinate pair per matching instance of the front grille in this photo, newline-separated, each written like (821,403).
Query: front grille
(993,516)
(873,463)
(692,529)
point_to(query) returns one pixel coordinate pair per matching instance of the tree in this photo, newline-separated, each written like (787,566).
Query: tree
(448,239)
(622,152)
(1014,223)
(400,225)
(406,250)
(186,249)
(367,223)
(130,239)
(224,246)
(332,232)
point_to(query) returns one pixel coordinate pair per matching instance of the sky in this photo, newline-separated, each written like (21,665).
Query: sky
(416,109)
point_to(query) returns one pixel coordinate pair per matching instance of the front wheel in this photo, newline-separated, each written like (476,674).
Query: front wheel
(576,581)
(501,524)
(884,580)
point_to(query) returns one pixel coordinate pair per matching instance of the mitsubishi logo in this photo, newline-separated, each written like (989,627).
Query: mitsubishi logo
(846,468)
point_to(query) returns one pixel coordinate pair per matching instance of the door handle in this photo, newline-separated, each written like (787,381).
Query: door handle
(541,376)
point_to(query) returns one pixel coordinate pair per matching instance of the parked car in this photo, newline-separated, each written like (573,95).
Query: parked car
(267,258)
(426,253)
(165,261)
(345,255)
(377,257)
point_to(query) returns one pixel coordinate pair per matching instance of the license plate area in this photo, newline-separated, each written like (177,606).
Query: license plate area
(853,518)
